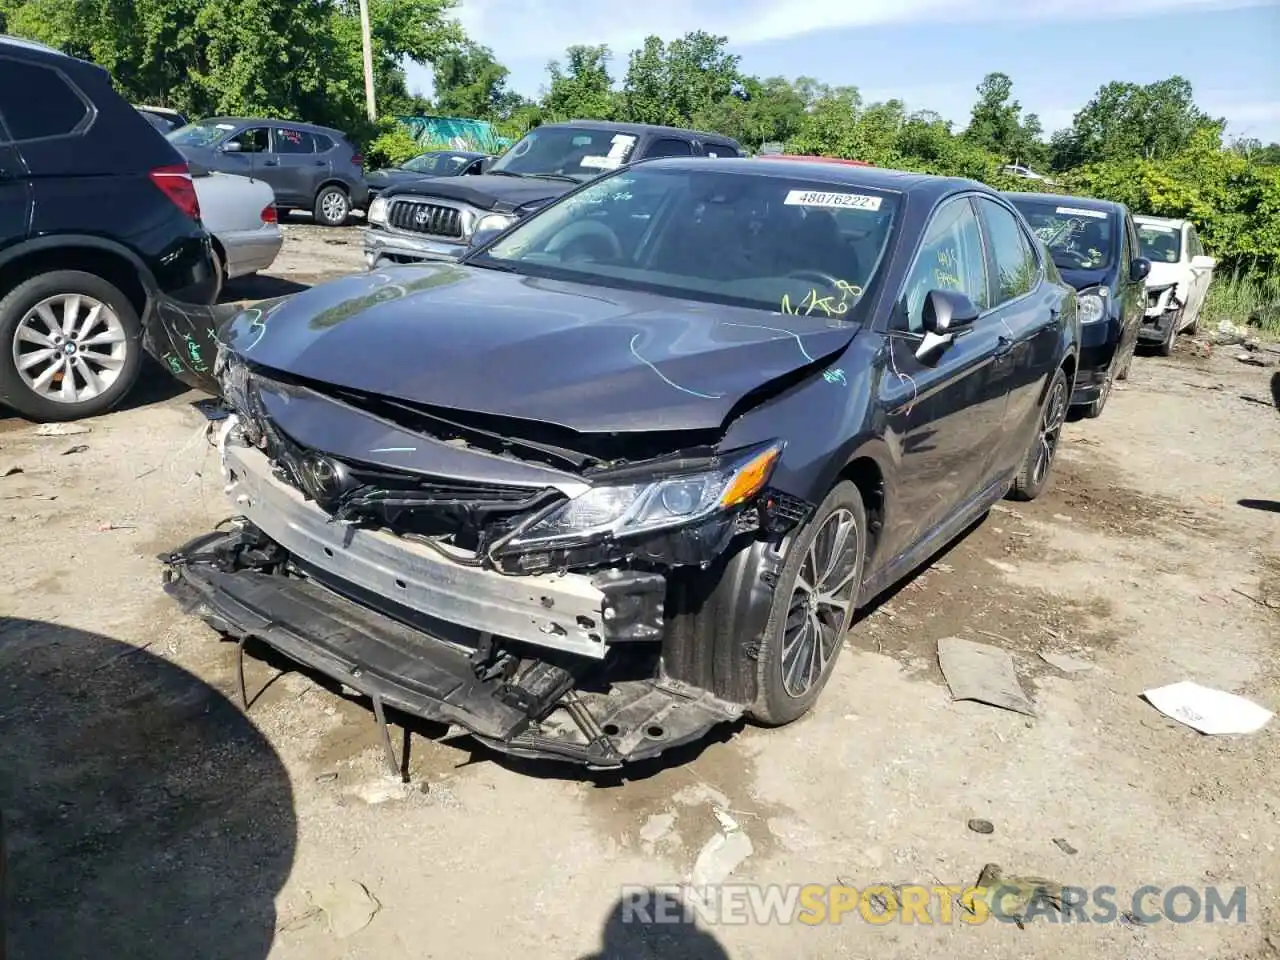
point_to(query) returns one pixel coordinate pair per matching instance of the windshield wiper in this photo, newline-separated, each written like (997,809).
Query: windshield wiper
(506,173)
(553,176)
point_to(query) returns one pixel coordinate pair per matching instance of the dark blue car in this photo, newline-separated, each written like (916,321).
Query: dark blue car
(1095,245)
(627,470)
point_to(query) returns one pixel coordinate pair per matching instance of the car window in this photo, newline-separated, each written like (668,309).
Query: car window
(323,144)
(253,140)
(1011,254)
(1193,242)
(1160,243)
(950,258)
(775,243)
(38,101)
(669,147)
(577,152)
(720,150)
(1078,237)
(288,140)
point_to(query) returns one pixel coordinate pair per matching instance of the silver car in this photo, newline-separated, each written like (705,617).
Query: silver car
(240,215)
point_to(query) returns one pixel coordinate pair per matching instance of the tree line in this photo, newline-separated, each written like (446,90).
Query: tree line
(1149,146)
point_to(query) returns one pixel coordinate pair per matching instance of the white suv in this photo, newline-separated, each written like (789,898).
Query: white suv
(1178,281)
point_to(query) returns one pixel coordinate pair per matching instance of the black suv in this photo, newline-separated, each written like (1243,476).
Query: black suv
(98,217)
(436,219)
(309,167)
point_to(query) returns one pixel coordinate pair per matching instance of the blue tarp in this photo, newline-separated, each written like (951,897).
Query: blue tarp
(457,132)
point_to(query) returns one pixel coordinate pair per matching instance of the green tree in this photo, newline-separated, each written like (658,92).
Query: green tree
(1126,120)
(997,125)
(469,82)
(582,89)
(677,82)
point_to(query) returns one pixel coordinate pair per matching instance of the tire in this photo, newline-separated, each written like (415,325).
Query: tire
(1037,464)
(1165,349)
(219,275)
(116,333)
(332,206)
(779,701)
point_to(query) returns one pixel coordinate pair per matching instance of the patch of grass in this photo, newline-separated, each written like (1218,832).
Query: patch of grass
(1243,299)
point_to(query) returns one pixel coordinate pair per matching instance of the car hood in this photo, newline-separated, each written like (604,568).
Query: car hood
(397,176)
(585,358)
(1165,274)
(488,192)
(1084,279)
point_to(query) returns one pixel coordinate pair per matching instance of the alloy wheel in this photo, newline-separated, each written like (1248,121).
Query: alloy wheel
(821,603)
(334,206)
(1055,414)
(70,348)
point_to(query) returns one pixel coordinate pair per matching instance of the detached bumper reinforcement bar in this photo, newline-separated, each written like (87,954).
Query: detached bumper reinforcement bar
(423,676)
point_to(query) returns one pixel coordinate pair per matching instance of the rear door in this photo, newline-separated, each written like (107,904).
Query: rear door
(1201,277)
(15,196)
(945,416)
(298,166)
(1027,311)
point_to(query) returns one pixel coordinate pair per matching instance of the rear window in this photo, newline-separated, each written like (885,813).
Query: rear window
(37,101)
(323,144)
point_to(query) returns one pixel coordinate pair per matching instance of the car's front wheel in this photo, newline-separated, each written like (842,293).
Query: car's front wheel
(333,206)
(1033,475)
(1165,348)
(812,608)
(70,346)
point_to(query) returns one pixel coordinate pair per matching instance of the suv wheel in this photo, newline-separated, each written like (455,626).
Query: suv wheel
(332,207)
(70,346)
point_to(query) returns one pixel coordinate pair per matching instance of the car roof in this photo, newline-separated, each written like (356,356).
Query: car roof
(813,158)
(442,152)
(837,174)
(639,129)
(275,122)
(31,46)
(1159,221)
(1061,199)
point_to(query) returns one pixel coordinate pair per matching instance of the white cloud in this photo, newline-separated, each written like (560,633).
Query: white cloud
(544,28)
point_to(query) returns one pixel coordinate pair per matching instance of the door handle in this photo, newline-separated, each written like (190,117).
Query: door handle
(321,163)
(271,163)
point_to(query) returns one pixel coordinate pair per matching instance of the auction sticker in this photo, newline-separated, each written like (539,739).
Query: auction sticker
(1081,212)
(816,198)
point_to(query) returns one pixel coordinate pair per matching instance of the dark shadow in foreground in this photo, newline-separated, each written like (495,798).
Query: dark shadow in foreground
(1269,506)
(144,815)
(630,932)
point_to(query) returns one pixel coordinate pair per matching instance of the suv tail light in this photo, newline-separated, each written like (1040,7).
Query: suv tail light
(358,160)
(175,183)
(269,214)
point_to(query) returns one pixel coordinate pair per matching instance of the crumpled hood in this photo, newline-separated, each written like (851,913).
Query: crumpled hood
(1084,279)
(586,358)
(487,191)
(1164,274)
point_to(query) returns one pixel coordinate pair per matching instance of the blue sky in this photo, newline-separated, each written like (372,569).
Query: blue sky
(930,53)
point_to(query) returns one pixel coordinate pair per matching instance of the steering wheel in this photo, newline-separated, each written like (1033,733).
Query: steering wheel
(586,229)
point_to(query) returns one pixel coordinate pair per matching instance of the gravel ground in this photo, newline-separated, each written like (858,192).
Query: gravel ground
(146,816)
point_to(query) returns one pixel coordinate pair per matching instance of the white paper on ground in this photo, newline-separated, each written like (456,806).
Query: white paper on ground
(1208,710)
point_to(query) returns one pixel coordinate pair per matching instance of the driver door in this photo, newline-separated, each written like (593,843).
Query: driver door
(945,417)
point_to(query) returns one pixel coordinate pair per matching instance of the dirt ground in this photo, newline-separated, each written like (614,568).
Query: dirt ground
(148,817)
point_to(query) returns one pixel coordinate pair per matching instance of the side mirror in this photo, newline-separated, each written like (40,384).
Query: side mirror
(231,146)
(947,314)
(1203,262)
(486,163)
(1139,269)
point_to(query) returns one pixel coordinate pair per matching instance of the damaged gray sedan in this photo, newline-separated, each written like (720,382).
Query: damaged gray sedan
(627,470)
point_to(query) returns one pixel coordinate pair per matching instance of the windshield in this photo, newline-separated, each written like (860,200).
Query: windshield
(200,134)
(787,245)
(1159,243)
(567,152)
(1078,238)
(441,164)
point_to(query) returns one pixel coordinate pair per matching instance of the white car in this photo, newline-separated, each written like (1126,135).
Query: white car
(1179,279)
(240,215)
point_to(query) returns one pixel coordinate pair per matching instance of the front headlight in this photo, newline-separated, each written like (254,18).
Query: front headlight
(494,223)
(378,210)
(631,508)
(1090,308)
